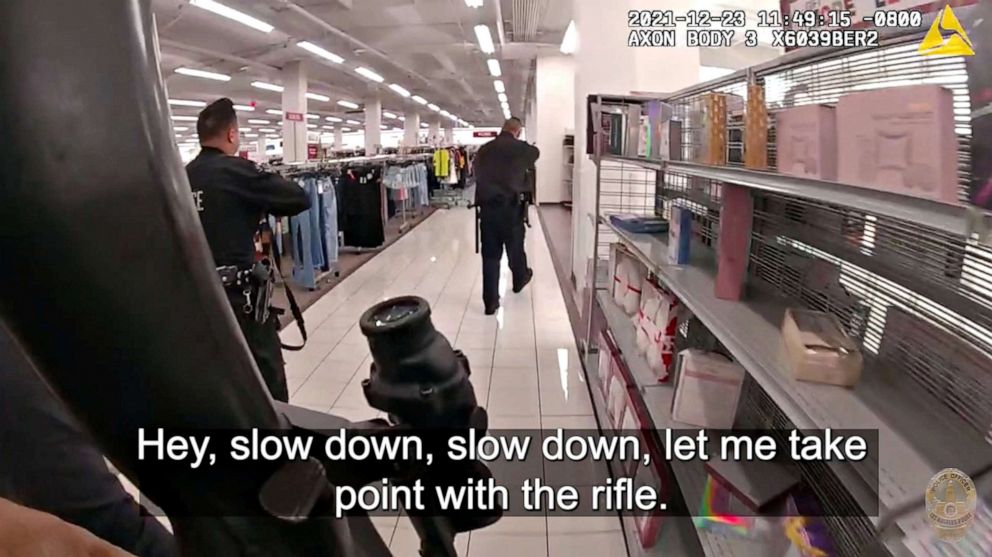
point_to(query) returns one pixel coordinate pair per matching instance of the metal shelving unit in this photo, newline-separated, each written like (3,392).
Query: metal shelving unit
(911,282)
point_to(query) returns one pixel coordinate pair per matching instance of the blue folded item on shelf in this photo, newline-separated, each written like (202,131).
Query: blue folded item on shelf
(641,224)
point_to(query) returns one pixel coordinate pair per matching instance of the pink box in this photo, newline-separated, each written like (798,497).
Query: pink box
(900,140)
(806,141)
(734,248)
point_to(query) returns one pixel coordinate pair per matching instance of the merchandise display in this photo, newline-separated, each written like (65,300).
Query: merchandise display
(819,350)
(707,389)
(806,141)
(640,223)
(655,325)
(734,242)
(679,235)
(900,140)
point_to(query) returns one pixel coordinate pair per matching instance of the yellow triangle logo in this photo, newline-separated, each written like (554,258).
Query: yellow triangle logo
(956,44)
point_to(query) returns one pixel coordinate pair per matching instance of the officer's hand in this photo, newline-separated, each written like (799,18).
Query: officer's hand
(29,533)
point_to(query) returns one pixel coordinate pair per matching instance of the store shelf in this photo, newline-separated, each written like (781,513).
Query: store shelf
(941,216)
(639,161)
(677,535)
(657,398)
(750,331)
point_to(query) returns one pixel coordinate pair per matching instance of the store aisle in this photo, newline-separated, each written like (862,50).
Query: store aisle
(525,367)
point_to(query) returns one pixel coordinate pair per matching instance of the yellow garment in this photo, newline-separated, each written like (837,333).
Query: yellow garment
(441,162)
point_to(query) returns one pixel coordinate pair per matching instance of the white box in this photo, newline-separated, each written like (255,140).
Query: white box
(708,389)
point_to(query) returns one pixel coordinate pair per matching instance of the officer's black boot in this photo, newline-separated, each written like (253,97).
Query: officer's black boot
(490,284)
(523,282)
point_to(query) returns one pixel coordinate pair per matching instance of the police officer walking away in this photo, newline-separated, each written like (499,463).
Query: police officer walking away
(502,193)
(233,196)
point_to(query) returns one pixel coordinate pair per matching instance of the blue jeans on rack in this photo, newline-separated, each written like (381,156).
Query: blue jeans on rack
(308,250)
(330,223)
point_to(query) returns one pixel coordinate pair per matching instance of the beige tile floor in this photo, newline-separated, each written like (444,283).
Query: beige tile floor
(525,367)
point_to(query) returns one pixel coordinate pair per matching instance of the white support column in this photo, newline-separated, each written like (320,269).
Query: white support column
(449,133)
(373,124)
(552,115)
(434,131)
(411,129)
(338,137)
(294,99)
(260,152)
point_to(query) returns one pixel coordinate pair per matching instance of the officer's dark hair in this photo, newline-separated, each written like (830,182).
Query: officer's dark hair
(216,119)
(513,124)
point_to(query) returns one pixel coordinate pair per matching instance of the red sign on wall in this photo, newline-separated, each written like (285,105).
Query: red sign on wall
(312,150)
(294,116)
(484,134)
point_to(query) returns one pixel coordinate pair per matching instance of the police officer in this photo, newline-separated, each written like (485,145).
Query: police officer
(232,196)
(501,193)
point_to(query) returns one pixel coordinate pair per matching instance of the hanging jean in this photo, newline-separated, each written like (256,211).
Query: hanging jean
(276,233)
(307,246)
(330,224)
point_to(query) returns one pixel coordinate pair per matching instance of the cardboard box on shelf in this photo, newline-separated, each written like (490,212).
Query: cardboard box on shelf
(819,350)
(734,247)
(708,389)
(899,140)
(806,141)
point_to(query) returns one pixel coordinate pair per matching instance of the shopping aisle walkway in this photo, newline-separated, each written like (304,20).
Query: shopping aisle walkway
(525,368)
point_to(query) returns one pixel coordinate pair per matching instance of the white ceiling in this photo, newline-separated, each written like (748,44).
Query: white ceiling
(427,46)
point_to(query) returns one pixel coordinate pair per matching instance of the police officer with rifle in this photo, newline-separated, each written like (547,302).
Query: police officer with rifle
(232,196)
(503,191)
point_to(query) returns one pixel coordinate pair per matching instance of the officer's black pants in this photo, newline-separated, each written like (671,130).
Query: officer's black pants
(263,341)
(502,226)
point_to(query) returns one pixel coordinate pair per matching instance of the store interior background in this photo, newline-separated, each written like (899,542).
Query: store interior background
(430,49)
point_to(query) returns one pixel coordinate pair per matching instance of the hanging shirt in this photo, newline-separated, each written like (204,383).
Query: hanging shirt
(441,162)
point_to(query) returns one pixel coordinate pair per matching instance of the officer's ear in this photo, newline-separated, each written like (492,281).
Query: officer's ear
(232,134)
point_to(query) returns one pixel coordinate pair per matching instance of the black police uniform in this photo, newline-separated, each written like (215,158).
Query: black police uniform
(501,168)
(232,195)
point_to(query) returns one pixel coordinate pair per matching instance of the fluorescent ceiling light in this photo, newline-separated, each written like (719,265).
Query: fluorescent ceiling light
(424,125)
(244,107)
(399,90)
(346,129)
(384,126)
(255,121)
(325,54)
(184,118)
(274,112)
(354,122)
(571,39)
(369,74)
(180,129)
(347,104)
(251,135)
(445,113)
(434,107)
(401,118)
(473,3)
(180,102)
(389,115)
(313,117)
(397,129)
(494,69)
(453,117)
(326,127)
(267,86)
(333,119)
(485,39)
(204,74)
(268,130)
(499,86)
(318,97)
(503,98)
(419,100)
(504,104)
(243,130)
(273,136)
(231,13)
(311,125)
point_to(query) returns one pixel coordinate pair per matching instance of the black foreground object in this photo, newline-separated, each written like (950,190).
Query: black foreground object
(108,286)
(424,384)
